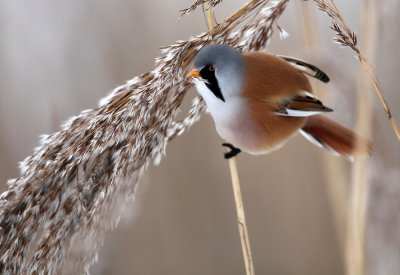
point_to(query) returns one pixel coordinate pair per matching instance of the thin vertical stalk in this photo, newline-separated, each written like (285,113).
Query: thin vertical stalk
(334,169)
(244,235)
(209,15)
(359,190)
(241,218)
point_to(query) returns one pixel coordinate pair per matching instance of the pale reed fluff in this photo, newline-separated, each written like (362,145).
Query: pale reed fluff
(68,194)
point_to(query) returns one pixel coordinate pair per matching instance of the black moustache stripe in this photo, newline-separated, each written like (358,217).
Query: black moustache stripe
(211,82)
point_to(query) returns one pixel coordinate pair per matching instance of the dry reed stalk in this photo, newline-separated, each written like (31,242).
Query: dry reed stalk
(208,8)
(355,242)
(241,217)
(308,28)
(334,168)
(360,182)
(347,38)
(69,189)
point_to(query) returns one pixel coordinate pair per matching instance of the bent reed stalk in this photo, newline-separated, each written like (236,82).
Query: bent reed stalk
(348,38)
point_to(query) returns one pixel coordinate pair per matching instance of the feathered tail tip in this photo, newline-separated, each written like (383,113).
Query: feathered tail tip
(337,139)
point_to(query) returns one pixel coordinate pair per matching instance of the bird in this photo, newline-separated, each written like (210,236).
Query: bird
(259,100)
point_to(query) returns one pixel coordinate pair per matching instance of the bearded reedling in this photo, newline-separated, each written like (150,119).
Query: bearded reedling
(259,100)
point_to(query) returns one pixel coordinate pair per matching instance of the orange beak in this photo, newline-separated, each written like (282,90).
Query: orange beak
(194,73)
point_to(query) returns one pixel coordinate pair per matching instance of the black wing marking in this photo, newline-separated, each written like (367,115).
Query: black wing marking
(306,68)
(302,105)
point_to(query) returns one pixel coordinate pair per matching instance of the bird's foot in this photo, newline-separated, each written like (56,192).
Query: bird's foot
(233,152)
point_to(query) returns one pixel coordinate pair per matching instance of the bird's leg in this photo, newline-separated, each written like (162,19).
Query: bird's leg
(233,152)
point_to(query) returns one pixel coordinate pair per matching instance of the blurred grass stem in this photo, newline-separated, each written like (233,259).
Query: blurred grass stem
(359,189)
(334,168)
(209,15)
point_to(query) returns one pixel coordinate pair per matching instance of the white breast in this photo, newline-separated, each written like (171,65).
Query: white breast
(232,120)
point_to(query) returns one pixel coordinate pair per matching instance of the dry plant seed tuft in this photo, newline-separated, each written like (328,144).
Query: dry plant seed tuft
(211,3)
(69,192)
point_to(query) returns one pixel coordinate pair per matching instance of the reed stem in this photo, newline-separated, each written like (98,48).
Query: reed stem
(244,236)
(241,218)
(334,168)
(357,215)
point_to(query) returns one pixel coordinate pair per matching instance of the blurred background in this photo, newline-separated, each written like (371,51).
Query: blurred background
(58,58)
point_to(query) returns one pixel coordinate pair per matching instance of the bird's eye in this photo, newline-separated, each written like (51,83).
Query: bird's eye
(211,68)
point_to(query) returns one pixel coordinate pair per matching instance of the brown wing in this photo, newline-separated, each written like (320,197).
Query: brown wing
(283,88)
(269,81)
(270,78)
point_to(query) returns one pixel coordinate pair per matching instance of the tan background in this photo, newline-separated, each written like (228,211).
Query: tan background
(60,57)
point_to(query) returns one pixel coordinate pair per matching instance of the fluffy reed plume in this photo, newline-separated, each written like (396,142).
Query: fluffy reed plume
(67,195)
(347,38)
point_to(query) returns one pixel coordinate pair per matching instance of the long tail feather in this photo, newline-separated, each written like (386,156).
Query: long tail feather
(332,136)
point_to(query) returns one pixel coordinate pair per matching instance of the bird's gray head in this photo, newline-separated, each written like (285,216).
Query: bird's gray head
(221,68)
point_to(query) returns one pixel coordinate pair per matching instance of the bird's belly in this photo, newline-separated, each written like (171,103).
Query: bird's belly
(256,138)
(244,135)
